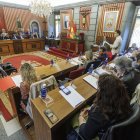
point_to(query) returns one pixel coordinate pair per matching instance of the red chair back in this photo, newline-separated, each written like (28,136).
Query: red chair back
(76,73)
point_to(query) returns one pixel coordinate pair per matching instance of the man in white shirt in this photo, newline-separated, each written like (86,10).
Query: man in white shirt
(117,43)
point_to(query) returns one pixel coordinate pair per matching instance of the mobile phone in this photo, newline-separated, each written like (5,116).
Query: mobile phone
(65,90)
(51,116)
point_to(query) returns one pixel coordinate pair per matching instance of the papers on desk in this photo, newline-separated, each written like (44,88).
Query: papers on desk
(74,63)
(17,80)
(74,98)
(100,71)
(112,65)
(91,80)
(76,60)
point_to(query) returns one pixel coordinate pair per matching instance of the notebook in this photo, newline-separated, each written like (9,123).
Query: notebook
(91,80)
(74,98)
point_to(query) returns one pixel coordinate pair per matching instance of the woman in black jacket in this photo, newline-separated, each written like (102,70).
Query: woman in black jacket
(111,105)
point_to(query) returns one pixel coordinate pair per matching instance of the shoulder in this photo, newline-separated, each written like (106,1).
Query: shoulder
(96,114)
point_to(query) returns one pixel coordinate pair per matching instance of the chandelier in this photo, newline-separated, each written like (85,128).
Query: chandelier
(40,8)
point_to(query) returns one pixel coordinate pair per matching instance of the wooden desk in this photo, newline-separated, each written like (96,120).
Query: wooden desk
(57,70)
(44,129)
(44,72)
(8,47)
(72,45)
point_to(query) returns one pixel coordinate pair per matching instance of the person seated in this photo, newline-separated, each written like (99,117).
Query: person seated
(111,105)
(28,76)
(132,48)
(108,52)
(127,73)
(4,35)
(88,58)
(35,35)
(52,35)
(136,64)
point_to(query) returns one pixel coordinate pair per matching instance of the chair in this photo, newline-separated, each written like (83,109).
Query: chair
(35,89)
(136,95)
(73,75)
(126,130)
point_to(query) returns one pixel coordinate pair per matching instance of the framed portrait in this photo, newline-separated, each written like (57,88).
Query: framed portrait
(66,20)
(110,21)
(65,17)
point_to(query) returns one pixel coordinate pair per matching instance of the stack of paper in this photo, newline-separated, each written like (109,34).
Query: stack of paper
(74,98)
(91,80)
(100,71)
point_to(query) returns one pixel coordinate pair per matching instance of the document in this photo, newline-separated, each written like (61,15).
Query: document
(91,80)
(76,59)
(112,65)
(74,98)
(17,80)
(100,71)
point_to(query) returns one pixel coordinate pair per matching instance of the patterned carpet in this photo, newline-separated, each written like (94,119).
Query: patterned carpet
(37,58)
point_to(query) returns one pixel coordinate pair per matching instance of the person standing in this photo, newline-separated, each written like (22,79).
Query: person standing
(117,43)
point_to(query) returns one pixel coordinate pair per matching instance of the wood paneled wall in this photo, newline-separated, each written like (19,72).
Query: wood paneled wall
(2,21)
(11,14)
(109,7)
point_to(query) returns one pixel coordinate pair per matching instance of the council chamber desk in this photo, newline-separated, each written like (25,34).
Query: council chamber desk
(44,72)
(8,47)
(44,129)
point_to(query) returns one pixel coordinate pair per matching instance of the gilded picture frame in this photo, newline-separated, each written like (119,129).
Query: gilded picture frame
(110,21)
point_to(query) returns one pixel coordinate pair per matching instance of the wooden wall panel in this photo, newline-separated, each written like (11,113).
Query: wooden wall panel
(2,21)
(11,14)
(109,7)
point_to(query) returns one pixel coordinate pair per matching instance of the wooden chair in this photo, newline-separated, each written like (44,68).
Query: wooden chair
(15,98)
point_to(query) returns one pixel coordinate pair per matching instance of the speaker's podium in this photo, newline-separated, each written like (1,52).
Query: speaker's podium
(72,45)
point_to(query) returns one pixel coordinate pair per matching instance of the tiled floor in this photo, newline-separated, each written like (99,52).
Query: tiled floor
(19,135)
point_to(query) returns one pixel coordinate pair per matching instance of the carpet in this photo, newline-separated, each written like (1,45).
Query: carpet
(36,59)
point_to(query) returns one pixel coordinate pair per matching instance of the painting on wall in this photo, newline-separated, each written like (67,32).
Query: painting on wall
(110,21)
(66,16)
(66,20)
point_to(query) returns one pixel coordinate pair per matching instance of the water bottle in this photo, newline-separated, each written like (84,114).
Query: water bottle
(90,69)
(43,91)
(52,62)
(68,57)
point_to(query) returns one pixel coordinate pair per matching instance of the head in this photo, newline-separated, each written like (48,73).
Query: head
(112,97)
(3,30)
(28,73)
(102,49)
(123,65)
(117,33)
(138,58)
(89,55)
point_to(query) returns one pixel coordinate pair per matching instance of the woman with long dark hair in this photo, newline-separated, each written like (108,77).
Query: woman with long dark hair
(111,105)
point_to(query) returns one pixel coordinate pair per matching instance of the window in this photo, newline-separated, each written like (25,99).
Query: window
(57,25)
(136,32)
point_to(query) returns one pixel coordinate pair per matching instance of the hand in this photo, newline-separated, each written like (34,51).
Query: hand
(84,112)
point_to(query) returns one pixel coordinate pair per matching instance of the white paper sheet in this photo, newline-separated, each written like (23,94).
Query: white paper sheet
(91,80)
(112,65)
(100,71)
(17,80)
(76,59)
(74,98)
